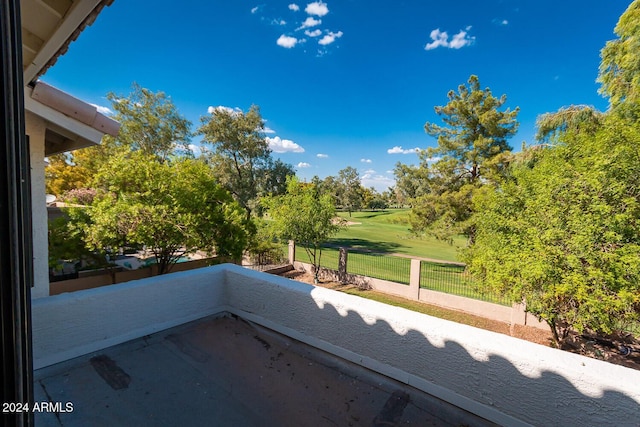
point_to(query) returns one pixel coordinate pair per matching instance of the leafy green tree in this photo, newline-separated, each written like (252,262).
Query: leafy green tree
(378,202)
(574,118)
(306,216)
(67,233)
(61,176)
(275,177)
(368,194)
(472,152)
(619,68)
(563,232)
(241,157)
(373,200)
(66,243)
(150,123)
(263,247)
(76,169)
(172,208)
(350,191)
(475,131)
(411,182)
(329,185)
(390,197)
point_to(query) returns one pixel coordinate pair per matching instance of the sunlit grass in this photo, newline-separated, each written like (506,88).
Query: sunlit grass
(431,310)
(450,279)
(389,231)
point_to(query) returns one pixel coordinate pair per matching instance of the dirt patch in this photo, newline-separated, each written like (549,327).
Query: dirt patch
(611,349)
(344,222)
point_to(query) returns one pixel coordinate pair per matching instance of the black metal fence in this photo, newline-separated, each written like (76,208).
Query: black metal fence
(266,259)
(453,279)
(379,266)
(328,258)
(441,277)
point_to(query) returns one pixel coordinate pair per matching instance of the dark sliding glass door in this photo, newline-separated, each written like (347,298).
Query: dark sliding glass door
(15,227)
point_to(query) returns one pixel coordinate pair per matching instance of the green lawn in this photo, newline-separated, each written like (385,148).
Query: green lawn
(388,231)
(328,259)
(446,278)
(385,267)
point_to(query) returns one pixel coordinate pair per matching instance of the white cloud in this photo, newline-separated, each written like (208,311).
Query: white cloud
(441,39)
(255,9)
(279,145)
(461,40)
(330,38)
(103,110)
(322,156)
(379,182)
(365,160)
(229,110)
(314,33)
(505,22)
(279,22)
(309,22)
(400,150)
(304,165)
(317,8)
(433,159)
(197,150)
(267,129)
(369,172)
(287,41)
(294,7)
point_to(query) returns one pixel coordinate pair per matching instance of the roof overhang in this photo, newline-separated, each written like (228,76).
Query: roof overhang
(71,124)
(49,26)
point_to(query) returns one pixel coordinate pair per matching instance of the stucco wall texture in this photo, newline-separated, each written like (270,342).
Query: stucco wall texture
(35,128)
(503,379)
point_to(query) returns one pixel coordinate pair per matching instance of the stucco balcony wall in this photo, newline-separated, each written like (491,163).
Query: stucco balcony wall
(76,323)
(503,379)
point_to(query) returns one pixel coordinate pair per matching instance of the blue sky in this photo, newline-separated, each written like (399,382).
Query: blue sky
(344,82)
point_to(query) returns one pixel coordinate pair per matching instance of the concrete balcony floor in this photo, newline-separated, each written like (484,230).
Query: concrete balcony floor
(224,371)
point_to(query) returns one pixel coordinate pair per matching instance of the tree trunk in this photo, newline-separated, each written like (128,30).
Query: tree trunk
(471,236)
(474,172)
(554,331)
